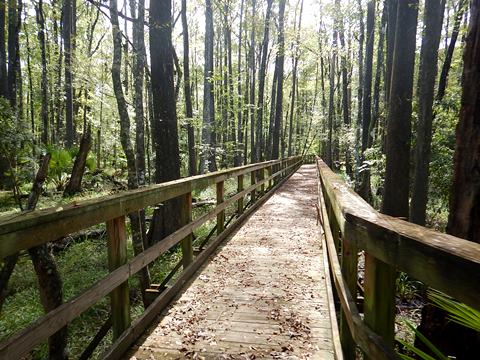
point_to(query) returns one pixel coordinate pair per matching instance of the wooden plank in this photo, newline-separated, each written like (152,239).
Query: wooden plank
(239,189)
(187,242)
(23,231)
(371,343)
(221,214)
(117,256)
(439,260)
(350,274)
(122,344)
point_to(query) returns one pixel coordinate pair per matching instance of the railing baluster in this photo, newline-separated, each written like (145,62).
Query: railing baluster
(270,172)
(221,214)
(349,271)
(117,256)
(379,303)
(253,180)
(239,189)
(187,246)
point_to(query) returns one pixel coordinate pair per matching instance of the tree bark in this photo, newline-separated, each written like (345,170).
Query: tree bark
(208,131)
(75,183)
(192,160)
(239,147)
(442,82)
(169,216)
(464,219)
(44,83)
(433,18)
(68,25)
(279,64)
(261,82)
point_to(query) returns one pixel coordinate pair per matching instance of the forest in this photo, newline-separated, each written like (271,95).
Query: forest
(99,97)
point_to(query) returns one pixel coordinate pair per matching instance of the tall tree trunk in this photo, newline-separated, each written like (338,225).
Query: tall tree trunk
(252,70)
(239,147)
(68,25)
(169,217)
(3,54)
(464,218)
(13,46)
(396,191)
(361,40)
(296,55)
(442,82)
(261,82)
(364,189)
(331,99)
(192,160)
(44,83)
(209,141)
(433,18)
(135,217)
(279,64)
(392,7)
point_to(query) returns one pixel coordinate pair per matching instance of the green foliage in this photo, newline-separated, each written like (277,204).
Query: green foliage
(457,312)
(407,288)
(60,164)
(421,354)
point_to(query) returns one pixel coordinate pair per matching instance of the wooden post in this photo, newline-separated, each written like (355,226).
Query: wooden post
(270,172)
(239,189)
(349,272)
(221,214)
(253,180)
(379,303)
(187,246)
(117,256)
(261,176)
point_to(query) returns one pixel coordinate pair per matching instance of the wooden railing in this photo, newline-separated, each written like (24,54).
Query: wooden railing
(21,232)
(441,261)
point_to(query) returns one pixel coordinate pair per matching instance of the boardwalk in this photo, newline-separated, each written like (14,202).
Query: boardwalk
(262,295)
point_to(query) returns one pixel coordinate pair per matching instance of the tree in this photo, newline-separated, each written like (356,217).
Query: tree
(463,220)
(261,83)
(68,26)
(44,85)
(433,18)
(208,129)
(364,186)
(279,64)
(168,217)
(192,161)
(396,190)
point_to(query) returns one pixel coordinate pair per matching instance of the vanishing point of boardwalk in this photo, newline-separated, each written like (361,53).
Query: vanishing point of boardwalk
(262,295)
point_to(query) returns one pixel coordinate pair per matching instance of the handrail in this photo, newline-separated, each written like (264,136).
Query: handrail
(442,261)
(27,230)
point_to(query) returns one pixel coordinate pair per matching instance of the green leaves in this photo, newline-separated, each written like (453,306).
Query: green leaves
(421,354)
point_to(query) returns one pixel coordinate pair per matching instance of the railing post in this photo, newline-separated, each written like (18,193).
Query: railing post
(261,176)
(239,189)
(221,214)
(253,180)
(379,303)
(117,256)
(349,272)
(187,246)
(270,172)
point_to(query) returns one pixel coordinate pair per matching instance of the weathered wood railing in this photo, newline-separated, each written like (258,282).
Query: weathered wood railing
(444,262)
(27,230)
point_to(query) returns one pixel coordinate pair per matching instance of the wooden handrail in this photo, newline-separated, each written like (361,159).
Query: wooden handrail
(444,262)
(52,223)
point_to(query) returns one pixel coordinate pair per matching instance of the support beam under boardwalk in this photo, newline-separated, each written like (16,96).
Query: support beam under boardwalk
(263,293)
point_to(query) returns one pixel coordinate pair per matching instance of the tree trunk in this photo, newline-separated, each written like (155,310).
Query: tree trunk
(208,131)
(3,54)
(169,216)
(294,78)
(44,83)
(364,188)
(442,82)
(464,218)
(239,147)
(361,40)
(279,64)
(261,82)
(68,25)
(75,183)
(192,160)
(433,18)
(252,70)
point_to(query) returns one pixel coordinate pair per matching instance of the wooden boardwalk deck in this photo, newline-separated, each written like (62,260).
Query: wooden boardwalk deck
(262,295)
